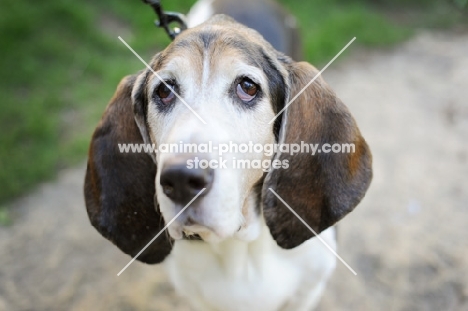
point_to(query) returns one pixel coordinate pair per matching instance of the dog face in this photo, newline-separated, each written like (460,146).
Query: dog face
(224,74)
(234,83)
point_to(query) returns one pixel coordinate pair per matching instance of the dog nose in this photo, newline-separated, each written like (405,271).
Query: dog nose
(181,184)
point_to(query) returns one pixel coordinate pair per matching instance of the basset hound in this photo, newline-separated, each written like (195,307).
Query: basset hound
(237,246)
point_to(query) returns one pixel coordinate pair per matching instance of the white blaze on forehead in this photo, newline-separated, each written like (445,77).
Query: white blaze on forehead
(206,68)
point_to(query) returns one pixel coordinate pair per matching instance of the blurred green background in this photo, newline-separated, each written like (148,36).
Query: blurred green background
(61,60)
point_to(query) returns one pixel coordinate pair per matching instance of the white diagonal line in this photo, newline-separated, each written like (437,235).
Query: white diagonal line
(312,81)
(159,77)
(312,230)
(157,235)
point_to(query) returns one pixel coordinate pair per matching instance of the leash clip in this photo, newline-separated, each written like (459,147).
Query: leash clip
(166,18)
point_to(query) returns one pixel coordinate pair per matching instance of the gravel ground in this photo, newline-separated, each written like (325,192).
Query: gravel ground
(407,240)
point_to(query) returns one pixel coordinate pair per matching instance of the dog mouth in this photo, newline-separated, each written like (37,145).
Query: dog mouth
(192,237)
(193,230)
(190,229)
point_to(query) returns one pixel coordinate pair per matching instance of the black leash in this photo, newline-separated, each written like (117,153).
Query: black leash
(166,18)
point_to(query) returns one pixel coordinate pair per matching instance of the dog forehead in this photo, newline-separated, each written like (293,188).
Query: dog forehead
(221,47)
(221,38)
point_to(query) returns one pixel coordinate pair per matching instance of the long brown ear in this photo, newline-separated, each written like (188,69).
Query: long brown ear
(322,188)
(119,187)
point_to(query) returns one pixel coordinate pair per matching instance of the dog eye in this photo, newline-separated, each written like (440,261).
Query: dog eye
(246,90)
(165,93)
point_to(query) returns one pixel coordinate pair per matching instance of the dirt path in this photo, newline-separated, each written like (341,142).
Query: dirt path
(408,240)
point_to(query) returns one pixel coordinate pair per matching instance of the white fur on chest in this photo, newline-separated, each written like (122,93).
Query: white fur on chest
(236,275)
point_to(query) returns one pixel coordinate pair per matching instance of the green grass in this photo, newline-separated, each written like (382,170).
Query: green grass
(61,60)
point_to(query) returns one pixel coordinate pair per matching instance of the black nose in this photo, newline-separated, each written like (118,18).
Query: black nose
(181,184)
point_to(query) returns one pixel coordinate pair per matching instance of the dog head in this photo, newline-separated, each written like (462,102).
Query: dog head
(220,84)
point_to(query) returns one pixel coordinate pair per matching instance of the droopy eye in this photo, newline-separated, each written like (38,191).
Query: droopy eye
(246,90)
(165,93)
